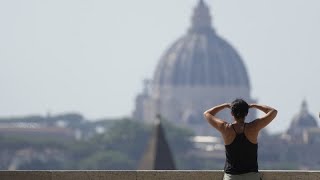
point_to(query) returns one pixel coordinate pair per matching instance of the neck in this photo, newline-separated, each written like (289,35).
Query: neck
(241,121)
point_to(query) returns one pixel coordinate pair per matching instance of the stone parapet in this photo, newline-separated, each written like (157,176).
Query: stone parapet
(149,175)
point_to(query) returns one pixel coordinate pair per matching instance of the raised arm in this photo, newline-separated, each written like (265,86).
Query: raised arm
(210,116)
(262,122)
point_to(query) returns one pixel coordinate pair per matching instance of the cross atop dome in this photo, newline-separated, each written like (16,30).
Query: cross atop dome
(201,19)
(304,106)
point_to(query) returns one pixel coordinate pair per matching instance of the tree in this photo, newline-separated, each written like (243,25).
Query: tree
(125,136)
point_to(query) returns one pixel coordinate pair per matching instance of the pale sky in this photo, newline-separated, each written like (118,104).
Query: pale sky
(91,56)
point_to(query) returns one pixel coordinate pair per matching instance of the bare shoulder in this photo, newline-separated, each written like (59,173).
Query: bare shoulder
(253,126)
(225,128)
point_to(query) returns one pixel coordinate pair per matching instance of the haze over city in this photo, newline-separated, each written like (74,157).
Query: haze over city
(91,57)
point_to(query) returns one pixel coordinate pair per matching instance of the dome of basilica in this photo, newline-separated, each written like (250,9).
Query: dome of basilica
(303,119)
(198,70)
(201,58)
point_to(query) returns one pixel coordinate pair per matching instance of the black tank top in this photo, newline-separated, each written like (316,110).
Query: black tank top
(241,155)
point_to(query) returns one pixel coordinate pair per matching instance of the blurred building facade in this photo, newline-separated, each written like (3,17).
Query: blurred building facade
(303,128)
(197,71)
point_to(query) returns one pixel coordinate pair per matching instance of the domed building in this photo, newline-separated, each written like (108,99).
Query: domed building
(198,71)
(302,120)
(301,125)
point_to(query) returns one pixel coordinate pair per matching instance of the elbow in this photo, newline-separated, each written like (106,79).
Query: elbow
(274,112)
(206,114)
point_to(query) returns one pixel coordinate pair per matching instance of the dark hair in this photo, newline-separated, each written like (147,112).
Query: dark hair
(239,108)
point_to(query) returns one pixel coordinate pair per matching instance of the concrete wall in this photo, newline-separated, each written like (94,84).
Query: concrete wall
(148,175)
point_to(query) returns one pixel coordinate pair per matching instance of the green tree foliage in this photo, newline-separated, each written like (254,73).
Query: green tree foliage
(178,137)
(121,146)
(125,136)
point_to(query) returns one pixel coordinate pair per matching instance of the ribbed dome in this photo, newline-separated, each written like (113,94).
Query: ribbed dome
(201,58)
(304,119)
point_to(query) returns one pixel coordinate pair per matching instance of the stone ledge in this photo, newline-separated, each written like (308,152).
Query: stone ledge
(149,175)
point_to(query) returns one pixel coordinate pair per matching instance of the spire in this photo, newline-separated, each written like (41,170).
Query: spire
(304,106)
(158,155)
(201,18)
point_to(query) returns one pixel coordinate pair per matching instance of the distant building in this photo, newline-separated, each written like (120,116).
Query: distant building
(32,130)
(312,136)
(197,71)
(64,126)
(303,128)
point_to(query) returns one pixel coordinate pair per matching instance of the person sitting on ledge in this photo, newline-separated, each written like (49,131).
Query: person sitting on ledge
(240,138)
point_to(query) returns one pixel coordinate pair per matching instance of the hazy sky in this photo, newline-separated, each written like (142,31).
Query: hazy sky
(91,56)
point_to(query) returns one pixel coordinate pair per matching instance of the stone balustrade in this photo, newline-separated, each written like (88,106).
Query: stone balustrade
(148,175)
